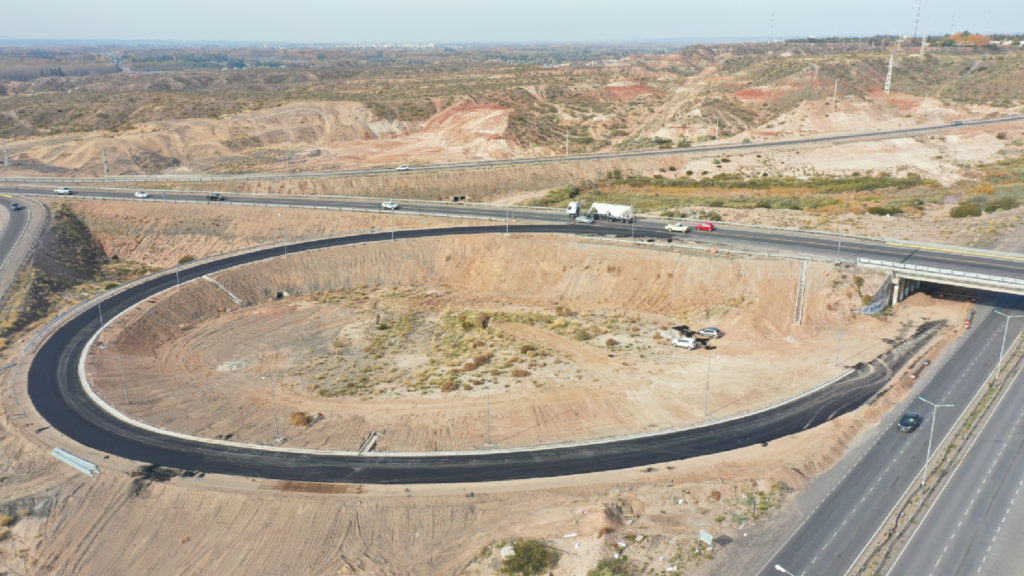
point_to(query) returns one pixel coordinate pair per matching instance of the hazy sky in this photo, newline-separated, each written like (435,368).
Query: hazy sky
(344,21)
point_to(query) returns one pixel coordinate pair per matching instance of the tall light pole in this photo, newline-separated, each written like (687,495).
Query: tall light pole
(783,570)
(707,388)
(124,383)
(283,231)
(839,338)
(1006,328)
(489,415)
(273,398)
(931,433)
(632,218)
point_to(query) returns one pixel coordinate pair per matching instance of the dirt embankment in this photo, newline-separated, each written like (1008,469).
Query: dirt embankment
(598,360)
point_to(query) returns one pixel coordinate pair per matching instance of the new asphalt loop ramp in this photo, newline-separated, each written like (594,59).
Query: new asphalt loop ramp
(58,394)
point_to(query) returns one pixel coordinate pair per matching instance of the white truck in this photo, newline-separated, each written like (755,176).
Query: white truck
(573,209)
(612,212)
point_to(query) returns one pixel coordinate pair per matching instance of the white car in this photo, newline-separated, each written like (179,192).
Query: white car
(402,168)
(141,194)
(389,205)
(686,342)
(678,227)
(62,191)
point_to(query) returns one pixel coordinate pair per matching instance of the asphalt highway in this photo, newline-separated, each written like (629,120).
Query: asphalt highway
(823,139)
(59,397)
(742,238)
(975,524)
(841,525)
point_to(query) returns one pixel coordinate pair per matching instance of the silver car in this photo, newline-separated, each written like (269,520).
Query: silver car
(710,332)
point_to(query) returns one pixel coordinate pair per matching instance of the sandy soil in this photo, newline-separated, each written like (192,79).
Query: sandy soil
(69,524)
(199,364)
(72,522)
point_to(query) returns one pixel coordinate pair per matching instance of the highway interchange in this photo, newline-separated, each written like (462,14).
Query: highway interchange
(973,529)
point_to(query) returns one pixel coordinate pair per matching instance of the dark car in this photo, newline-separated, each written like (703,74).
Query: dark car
(958,123)
(15,206)
(216,197)
(909,422)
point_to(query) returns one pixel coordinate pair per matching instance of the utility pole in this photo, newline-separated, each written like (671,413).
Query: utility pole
(6,164)
(567,142)
(106,166)
(835,93)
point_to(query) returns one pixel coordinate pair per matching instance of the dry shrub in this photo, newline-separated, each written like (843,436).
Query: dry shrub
(6,519)
(481,359)
(715,496)
(449,385)
(519,373)
(527,348)
(611,342)
(301,419)
(468,366)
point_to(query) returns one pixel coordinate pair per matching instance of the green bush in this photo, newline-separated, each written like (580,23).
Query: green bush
(532,557)
(620,566)
(884,211)
(186,259)
(1001,203)
(964,210)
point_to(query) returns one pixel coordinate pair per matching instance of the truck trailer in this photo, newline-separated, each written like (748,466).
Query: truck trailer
(611,212)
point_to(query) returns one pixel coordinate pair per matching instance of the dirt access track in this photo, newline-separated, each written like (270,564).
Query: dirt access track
(470,342)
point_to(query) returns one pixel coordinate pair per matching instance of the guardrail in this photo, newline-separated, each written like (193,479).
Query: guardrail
(985,279)
(80,464)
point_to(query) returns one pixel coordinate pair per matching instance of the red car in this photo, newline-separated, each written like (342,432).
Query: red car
(705,227)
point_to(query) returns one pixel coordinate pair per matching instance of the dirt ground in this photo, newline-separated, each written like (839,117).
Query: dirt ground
(199,364)
(201,378)
(68,523)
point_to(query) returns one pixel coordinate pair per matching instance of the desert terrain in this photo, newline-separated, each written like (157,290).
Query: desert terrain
(393,338)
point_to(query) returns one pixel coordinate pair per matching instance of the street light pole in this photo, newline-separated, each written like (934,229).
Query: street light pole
(839,339)
(489,415)
(1006,328)
(632,218)
(120,361)
(931,433)
(707,388)
(783,570)
(273,399)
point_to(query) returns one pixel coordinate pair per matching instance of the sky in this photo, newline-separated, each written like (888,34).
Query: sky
(493,21)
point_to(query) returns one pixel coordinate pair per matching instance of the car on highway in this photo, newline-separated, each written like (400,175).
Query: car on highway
(215,197)
(403,168)
(686,342)
(141,194)
(584,219)
(710,332)
(389,205)
(958,123)
(705,227)
(15,206)
(909,421)
(677,227)
(62,191)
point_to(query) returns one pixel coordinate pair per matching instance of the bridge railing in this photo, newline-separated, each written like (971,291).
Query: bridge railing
(986,279)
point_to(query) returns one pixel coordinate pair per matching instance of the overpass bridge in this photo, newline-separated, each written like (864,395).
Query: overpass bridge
(906,278)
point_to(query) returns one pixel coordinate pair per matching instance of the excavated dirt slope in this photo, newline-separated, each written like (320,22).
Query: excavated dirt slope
(199,363)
